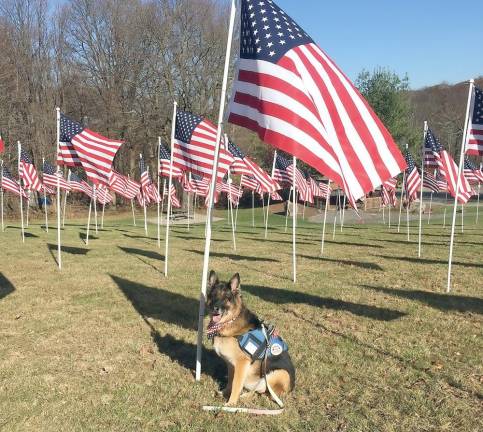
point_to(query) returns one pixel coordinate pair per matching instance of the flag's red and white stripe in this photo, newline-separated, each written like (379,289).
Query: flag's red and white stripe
(449,170)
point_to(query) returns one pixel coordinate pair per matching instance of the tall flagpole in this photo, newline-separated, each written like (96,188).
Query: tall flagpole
(45,203)
(231,209)
(162,196)
(204,279)
(288,207)
(403,188)
(159,217)
(95,205)
(59,254)
(336,211)
(238,204)
(65,200)
(422,185)
(327,200)
(88,221)
(458,181)
(343,213)
(144,203)
(1,191)
(253,209)
(170,182)
(189,204)
(478,203)
(268,201)
(20,191)
(294,222)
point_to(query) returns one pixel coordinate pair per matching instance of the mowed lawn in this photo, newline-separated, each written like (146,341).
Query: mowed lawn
(108,343)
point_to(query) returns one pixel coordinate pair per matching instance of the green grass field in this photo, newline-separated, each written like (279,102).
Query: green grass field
(108,343)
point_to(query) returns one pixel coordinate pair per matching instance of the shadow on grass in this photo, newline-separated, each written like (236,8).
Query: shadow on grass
(429,261)
(184,353)
(143,252)
(282,296)
(234,257)
(6,287)
(151,302)
(65,249)
(184,237)
(30,235)
(269,240)
(404,241)
(141,237)
(444,302)
(353,244)
(83,237)
(351,263)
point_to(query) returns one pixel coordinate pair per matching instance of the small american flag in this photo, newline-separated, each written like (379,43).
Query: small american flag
(164,163)
(388,196)
(289,92)
(80,146)
(300,181)
(51,176)
(28,173)
(475,139)
(430,142)
(430,182)
(79,185)
(413,179)
(249,183)
(449,169)
(118,183)
(194,146)
(200,185)
(325,189)
(102,195)
(10,184)
(472,173)
(238,166)
(442,184)
(174,198)
(280,173)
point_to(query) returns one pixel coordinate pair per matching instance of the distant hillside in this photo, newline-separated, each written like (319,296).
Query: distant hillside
(443,106)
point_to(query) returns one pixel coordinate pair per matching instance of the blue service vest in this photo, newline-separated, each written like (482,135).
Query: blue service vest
(254,344)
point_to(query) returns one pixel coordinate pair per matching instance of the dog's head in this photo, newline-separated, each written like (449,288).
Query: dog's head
(224,298)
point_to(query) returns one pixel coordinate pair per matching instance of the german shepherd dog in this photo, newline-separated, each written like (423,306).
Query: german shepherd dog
(230,318)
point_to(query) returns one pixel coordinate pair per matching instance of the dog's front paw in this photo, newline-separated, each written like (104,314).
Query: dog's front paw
(231,403)
(226,392)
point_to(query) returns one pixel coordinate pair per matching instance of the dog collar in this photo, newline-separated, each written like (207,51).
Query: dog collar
(215,328)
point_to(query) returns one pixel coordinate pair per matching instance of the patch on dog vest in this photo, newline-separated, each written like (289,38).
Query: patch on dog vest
(254,344)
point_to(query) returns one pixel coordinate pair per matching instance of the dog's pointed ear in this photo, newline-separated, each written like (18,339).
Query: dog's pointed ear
(235,283)
(212,279)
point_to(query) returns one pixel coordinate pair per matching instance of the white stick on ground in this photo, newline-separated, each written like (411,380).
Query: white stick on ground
(327,201)
(20,192)
(425,131)
(458,181)
(206,256)
(403,187)
(59,254)
(170,182)
(294,222)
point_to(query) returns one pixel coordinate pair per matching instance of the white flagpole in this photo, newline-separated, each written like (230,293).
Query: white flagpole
(458,180)
(478,203)
(65,200)
(189,205)
(1,191)
(20,191)
(263,207)
(95,206)
(462,218)
(231,207)
(327,200)
(288,208)
(268,202)
(425,131)
(88,222)
(407,214)
(403,188)
(336,212)
(159,217)
(170,182)
(144,204)
(28,207)
(343,213)
(253,209)
(45,204)
(238,204)
(204,279)
(59,254)
(162,197)
(294,222)
(102,217)
(430,207)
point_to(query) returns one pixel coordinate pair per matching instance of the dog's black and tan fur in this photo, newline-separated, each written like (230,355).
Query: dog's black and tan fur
(226,308)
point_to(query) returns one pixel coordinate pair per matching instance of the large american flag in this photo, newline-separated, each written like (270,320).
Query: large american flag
(194,146)
(9,183)
(472,173)
(475,138)
(50,176)
(28,173)
(164,163)
(413,179)
(448,168)
(80,146)
(292,94)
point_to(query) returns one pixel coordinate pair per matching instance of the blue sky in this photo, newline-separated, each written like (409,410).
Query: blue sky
(432,41)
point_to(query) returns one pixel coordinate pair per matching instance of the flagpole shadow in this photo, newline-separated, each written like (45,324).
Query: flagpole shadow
(6,287)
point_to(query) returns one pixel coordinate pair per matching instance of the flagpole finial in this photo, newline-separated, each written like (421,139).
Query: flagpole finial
(472,81)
